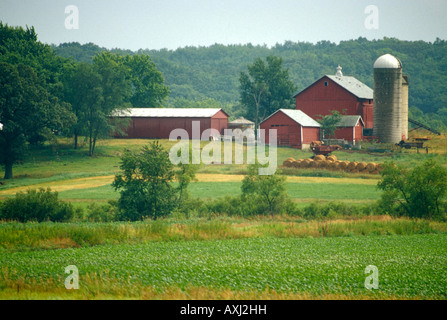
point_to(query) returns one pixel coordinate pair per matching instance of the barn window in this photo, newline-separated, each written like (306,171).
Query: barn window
(326,83)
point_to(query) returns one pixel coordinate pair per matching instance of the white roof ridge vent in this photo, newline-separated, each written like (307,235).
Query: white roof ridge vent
(387,61)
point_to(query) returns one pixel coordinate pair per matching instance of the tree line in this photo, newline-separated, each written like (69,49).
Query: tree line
(212,73)
(43,95)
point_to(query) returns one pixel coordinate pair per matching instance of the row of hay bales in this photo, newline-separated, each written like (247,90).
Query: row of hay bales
(332,163)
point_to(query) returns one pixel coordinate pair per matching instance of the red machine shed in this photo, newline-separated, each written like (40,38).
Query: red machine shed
(345,94)
(159,122)
(350,128)
(294,128)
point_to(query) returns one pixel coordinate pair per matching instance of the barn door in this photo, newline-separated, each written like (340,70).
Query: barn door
(283,134)
(293,140)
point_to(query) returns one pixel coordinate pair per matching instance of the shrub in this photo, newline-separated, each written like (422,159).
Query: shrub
(416,193)
(36,205)
(107,212)
(145,184)
(266,192)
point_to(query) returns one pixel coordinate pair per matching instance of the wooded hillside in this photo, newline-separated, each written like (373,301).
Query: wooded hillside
(210,75)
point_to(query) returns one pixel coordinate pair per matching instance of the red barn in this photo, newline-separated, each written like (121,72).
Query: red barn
(294,128)
(350,128)
(345,94)
(159,122)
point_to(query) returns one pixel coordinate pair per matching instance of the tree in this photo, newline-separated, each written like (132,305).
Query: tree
(265,88)
(110,96)
(26,111)
(31,108)
(148,88)
(329,123)
(417,193)
(145,184)
(266,191)
(184,175)
(84,92)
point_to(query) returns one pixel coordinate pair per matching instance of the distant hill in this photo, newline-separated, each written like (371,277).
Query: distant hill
(212,73)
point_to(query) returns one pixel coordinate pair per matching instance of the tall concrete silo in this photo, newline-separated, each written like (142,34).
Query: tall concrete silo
(388,99)
(405,85)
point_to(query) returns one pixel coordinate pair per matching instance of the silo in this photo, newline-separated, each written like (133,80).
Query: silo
(405,85)
(388,99)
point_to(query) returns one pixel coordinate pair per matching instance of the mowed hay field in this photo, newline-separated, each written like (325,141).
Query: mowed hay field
(80,178)
(281,257)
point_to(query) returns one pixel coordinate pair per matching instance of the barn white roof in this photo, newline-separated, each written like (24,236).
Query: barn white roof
(351,84)
(356,87)
(298,116)
(166,113)
(349,121)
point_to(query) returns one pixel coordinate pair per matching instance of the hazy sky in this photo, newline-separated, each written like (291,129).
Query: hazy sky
(156,24)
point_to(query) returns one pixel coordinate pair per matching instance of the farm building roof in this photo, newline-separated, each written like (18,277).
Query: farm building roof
(351,84)
(299,117)
(167,112)
(354,86)
(241,120)
(349,121)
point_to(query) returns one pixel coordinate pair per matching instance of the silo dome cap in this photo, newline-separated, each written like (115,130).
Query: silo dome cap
(387,61)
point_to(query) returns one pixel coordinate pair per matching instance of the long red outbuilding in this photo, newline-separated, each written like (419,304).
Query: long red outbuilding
(158,123)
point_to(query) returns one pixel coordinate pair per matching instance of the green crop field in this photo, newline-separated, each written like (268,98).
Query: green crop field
(409,267)
(218,257)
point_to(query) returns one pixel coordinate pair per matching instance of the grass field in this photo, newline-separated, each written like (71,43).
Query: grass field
(219,257)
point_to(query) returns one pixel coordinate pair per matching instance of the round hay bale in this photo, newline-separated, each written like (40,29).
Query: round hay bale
(332,165)
(374,172)
(354,171)
(342,165)
(352,165)
(337,165)
(313,164)
(296,163)
(322,164)
(379,167)
(305,163)
(290,159)
(371,166)
(319,157)
(331,158)
(287,164)
(361,166)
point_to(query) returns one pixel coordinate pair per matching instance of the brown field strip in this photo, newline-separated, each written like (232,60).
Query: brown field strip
(63,185)
(99,181)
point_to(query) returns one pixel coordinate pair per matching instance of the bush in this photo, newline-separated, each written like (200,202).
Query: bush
(337,210)
(145,184)
(36,205)
(417,193)
(107,212)
(267,193)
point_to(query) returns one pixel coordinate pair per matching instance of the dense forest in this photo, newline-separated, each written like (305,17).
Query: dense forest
(209,76)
